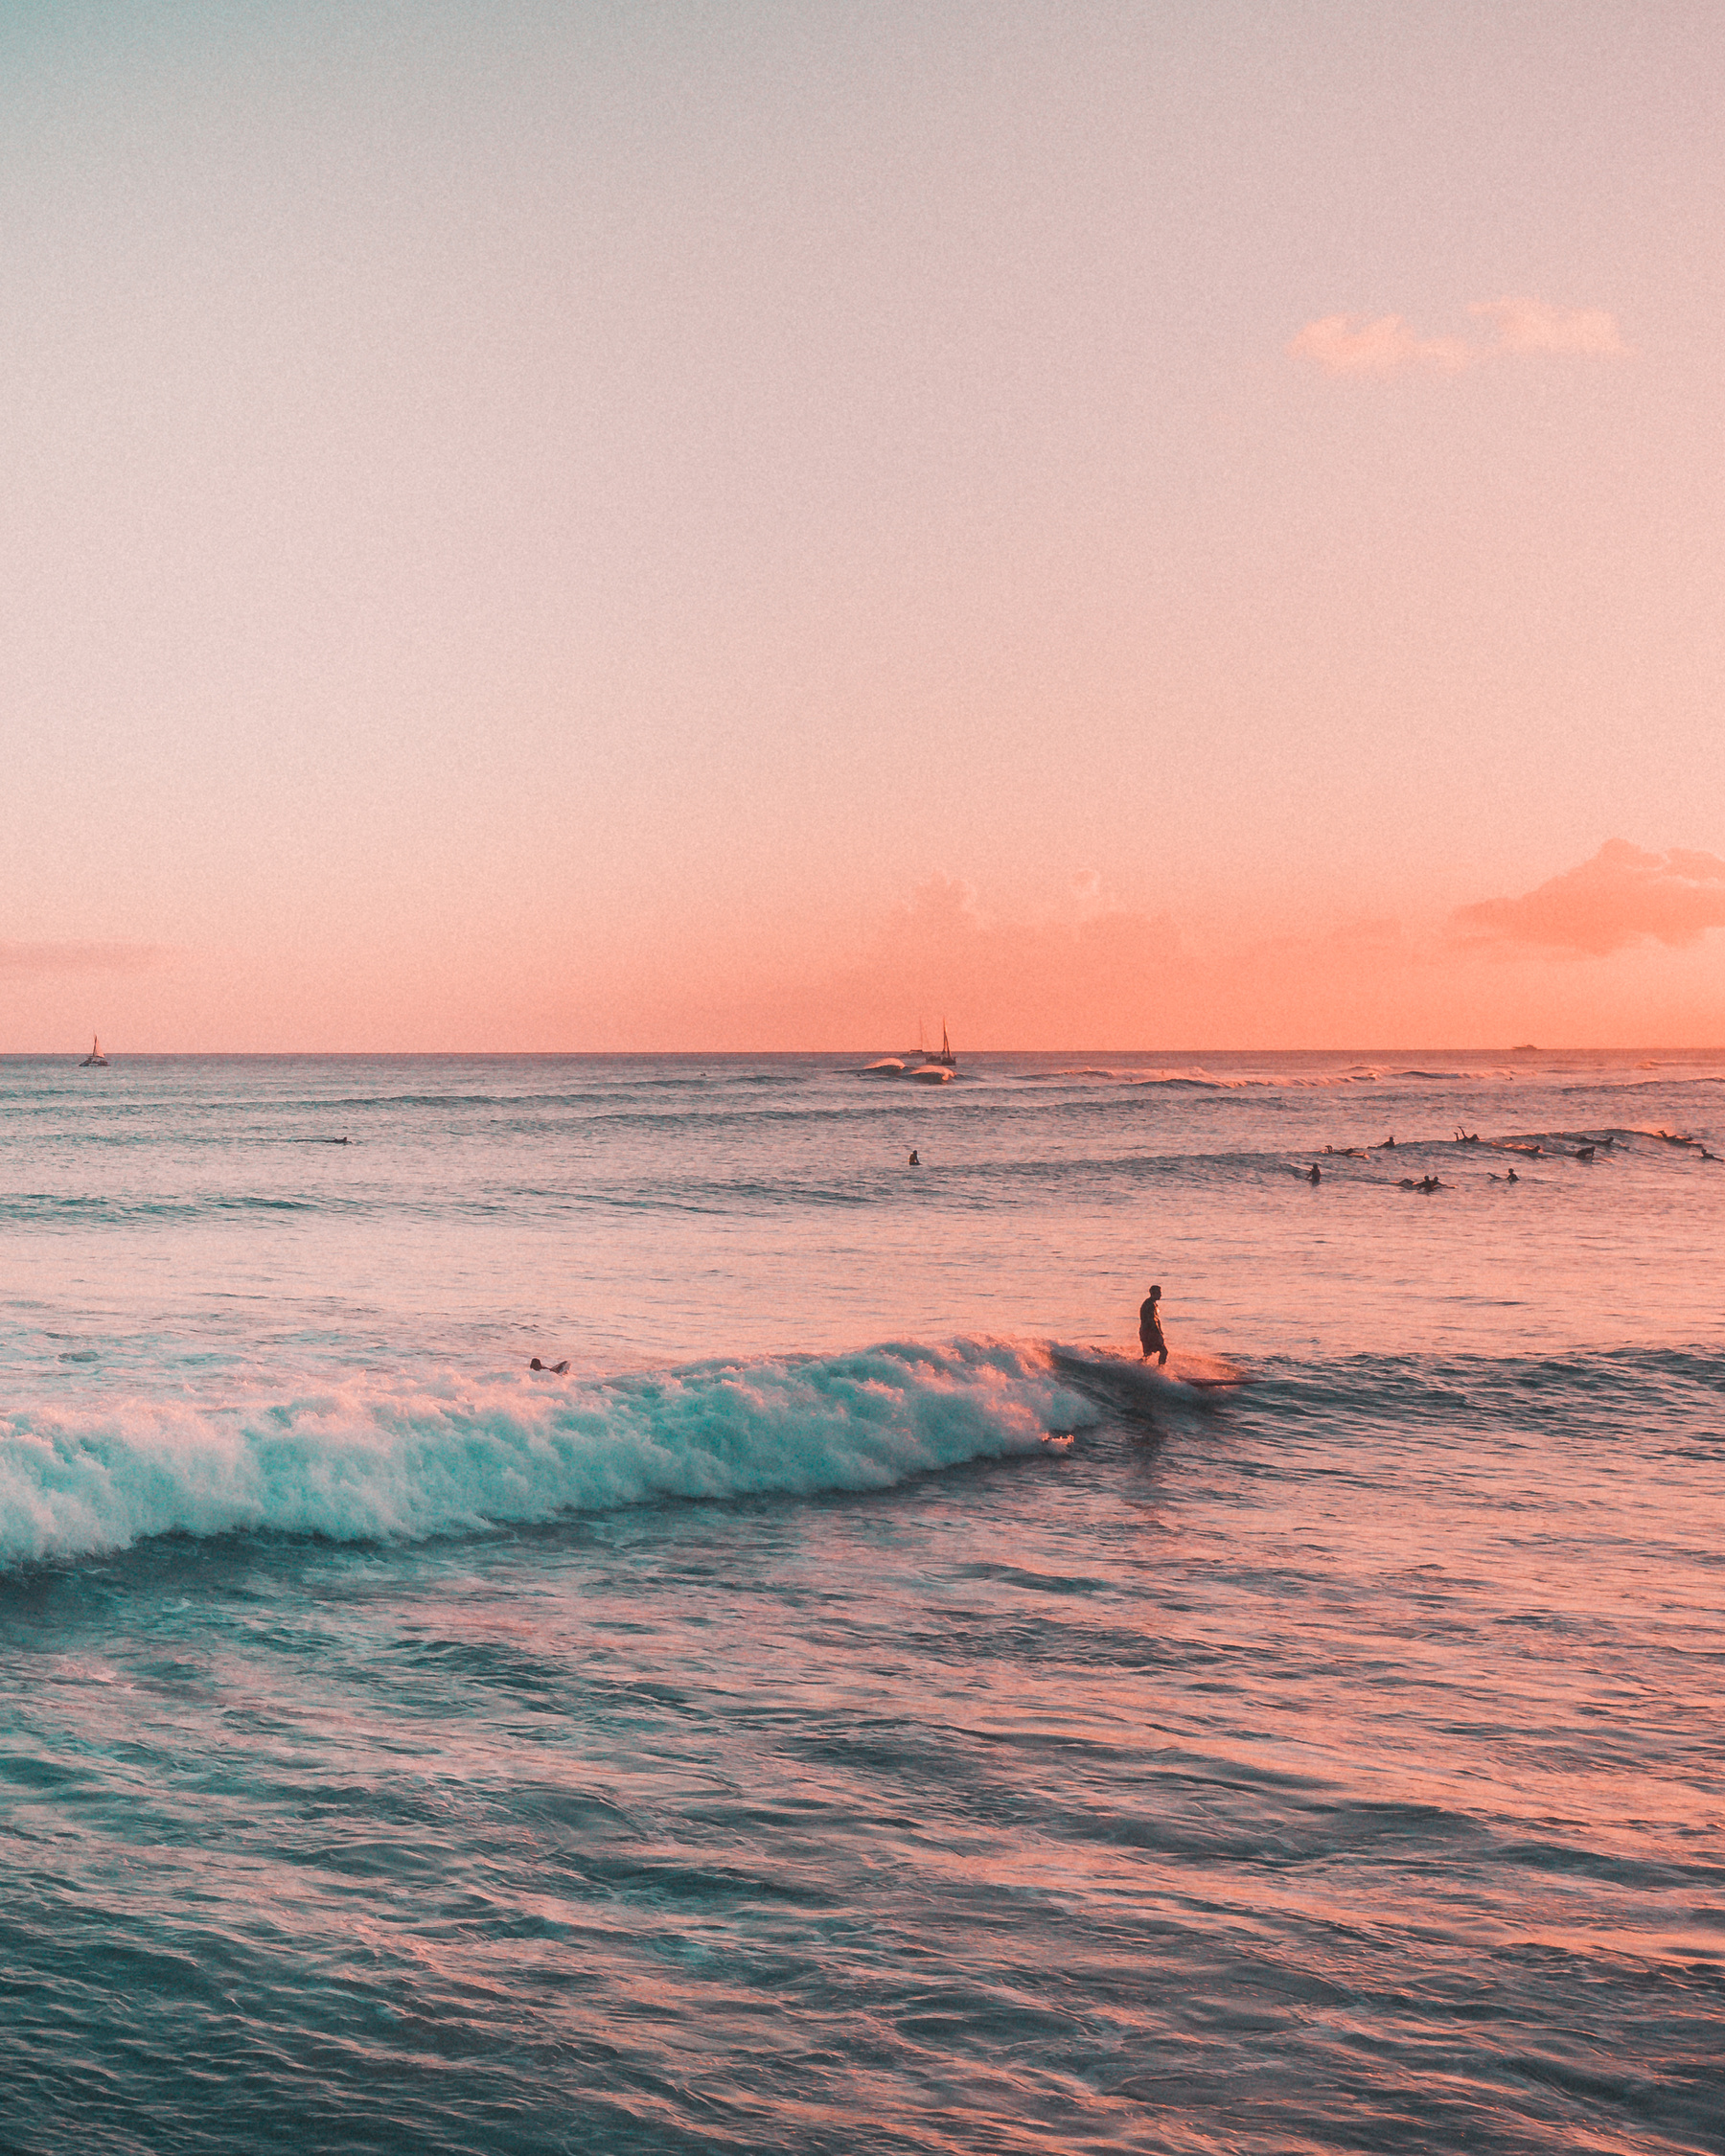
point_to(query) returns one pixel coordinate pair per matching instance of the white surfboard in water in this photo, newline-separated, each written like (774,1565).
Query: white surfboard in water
(1188,1371)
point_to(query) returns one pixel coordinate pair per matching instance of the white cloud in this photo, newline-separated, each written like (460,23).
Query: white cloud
(1355,344)
(1348,344)
(1529,325)
(1620,897)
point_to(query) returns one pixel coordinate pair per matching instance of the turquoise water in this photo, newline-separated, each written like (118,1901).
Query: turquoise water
(759,1738)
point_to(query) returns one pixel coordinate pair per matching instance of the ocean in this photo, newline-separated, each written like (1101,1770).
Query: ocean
(760,1738)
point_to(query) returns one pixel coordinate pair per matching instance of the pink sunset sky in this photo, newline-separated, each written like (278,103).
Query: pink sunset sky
(607,526)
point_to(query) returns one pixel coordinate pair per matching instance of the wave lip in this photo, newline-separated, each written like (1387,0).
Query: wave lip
(432,1453)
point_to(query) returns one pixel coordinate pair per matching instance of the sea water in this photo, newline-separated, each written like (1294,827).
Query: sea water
(758,1738)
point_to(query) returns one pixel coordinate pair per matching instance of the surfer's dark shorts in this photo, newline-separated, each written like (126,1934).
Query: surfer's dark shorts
(1153,1343)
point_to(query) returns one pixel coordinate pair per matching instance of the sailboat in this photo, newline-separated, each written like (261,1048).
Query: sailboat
(934,1069)
(919,1063)
(95,1055)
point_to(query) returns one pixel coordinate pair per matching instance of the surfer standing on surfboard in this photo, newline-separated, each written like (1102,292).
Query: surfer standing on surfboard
(1150,1332)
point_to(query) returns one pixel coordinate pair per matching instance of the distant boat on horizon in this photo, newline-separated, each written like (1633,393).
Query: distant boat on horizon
(95,1055)
(919,1063)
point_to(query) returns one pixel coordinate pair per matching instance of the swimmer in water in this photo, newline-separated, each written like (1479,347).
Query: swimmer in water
(915,1161)
(1150,1332)
(1316,1175)
(551,1369)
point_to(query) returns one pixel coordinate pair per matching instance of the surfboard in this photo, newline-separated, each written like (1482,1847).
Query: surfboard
(1188,1372)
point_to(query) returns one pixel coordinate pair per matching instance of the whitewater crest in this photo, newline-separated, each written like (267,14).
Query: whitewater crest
(438,1452)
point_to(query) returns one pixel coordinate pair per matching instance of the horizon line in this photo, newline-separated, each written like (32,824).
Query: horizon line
(1520,1048)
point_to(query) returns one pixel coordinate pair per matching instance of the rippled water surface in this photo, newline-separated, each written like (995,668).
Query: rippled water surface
(760,1739)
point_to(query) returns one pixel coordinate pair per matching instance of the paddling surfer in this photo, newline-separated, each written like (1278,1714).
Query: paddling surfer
(1150,1332)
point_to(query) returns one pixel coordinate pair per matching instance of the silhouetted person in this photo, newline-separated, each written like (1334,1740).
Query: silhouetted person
(551,1369)
(1314,1175)
(916,1160)
(1150,1332)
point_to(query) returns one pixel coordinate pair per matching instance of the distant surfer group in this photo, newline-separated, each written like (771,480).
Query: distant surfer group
(1314,1175)
(1585,1150)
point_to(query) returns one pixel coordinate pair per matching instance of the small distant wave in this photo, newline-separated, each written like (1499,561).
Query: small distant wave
(51,1209)
(1199,1079)
(1631,1397)
(1661,1084)
(432,1453)
(1606,1137)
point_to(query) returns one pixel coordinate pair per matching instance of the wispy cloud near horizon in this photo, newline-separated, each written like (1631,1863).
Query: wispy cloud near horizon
(1622,896)
(1356,344)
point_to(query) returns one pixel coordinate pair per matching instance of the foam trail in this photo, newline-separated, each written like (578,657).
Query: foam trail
(433,1454)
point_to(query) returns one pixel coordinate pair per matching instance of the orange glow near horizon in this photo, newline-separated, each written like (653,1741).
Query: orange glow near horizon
(1617,953)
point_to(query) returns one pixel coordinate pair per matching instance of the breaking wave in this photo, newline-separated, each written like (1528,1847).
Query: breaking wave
(368,1458)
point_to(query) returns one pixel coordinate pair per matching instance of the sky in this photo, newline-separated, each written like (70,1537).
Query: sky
(757,526)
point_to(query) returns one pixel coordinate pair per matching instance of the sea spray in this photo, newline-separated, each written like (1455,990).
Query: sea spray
(432,1452)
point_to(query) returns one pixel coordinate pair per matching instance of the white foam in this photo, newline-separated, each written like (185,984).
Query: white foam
(430,1453)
